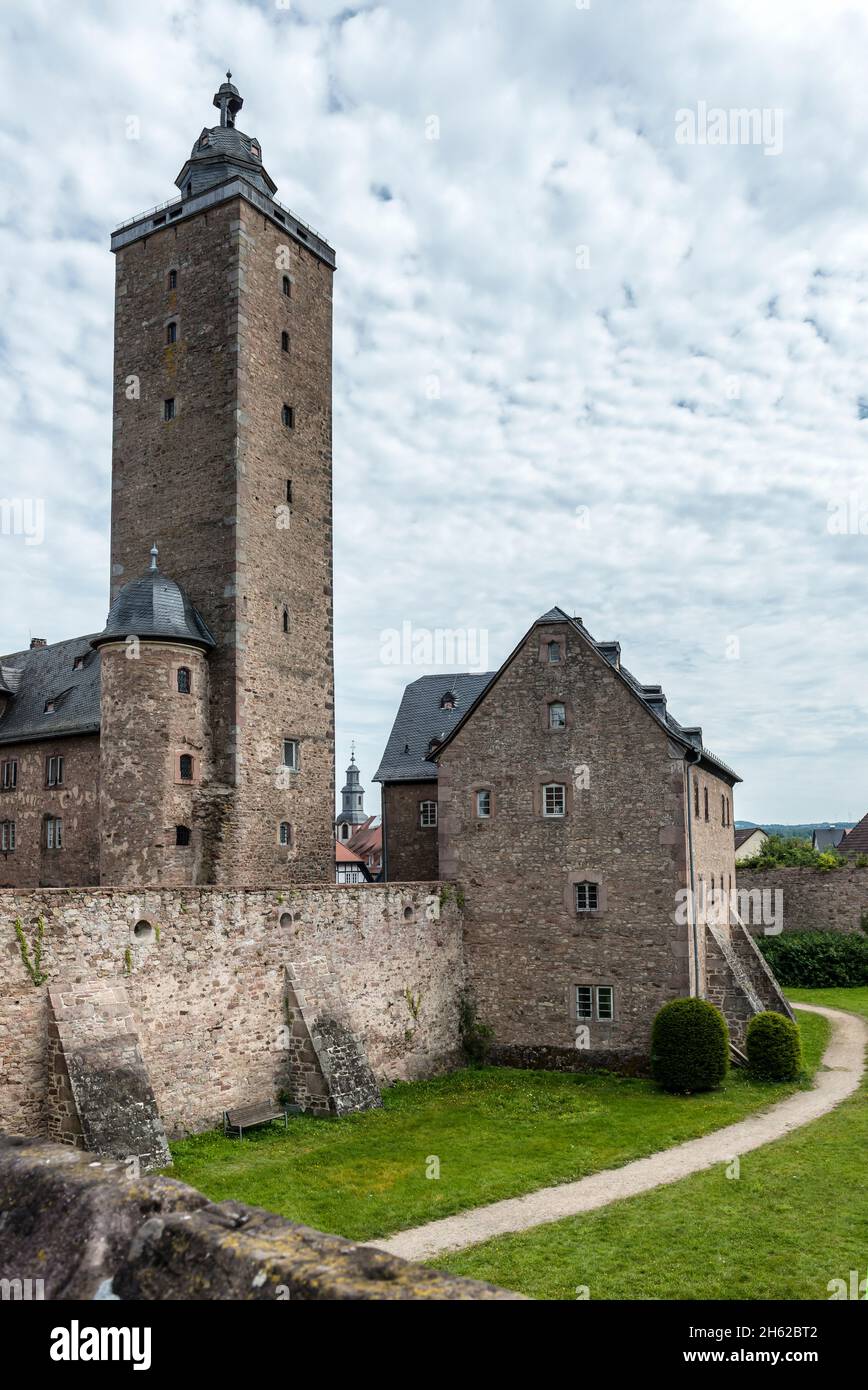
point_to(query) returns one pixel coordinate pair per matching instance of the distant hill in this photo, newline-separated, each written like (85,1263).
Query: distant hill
(800,832)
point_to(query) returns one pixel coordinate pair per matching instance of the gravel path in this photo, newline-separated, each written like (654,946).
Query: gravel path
(839,1075)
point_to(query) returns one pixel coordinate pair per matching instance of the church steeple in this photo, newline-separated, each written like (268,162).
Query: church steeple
(228,101)
(223,152)
(353,801)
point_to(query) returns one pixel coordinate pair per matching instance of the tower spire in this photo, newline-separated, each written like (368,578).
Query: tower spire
(229,101)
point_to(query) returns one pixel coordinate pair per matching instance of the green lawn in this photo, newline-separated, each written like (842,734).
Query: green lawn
(496,1132)
(796,1218)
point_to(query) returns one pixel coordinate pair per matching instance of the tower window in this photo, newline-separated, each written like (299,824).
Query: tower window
(427,814)
(9,777)
(706,802)
(290,754)
(284,341)
(557,715)
(587,897)
(8,837)
(286,620)
(172,280)
(696,798)
(287,287)
(554,800)
(185,767)
(53,832)
(483,804)
(172,332)
(54,771)
(289,491)
(287,416)
(182,834)
(185,683)
(286,834)
(169,408)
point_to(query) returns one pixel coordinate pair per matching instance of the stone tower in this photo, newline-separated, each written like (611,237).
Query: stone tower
(352,802)
(222,454)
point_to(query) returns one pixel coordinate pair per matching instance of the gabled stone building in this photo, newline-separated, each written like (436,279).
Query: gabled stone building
(588,832)
(192,741)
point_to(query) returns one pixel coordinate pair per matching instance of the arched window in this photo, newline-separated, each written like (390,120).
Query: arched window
(284,341)
(172,332)
(185,767)
(172,281)
(184,681)
(182,834)
(287,287)
(287,416)
(345,831)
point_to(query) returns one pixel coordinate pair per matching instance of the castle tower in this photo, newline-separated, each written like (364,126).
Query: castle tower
(352,802)
(222,452)
(155,751)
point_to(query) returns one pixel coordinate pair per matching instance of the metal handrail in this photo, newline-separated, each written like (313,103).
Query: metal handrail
(171,202)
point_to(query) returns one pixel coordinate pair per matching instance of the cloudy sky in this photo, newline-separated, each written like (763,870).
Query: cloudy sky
(586,353)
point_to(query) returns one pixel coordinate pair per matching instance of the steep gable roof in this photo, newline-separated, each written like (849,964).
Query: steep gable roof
(421,718)
(857,838)
(651,697)
(45,674)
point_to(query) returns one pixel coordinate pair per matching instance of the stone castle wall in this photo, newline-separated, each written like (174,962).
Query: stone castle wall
(205,972)
(814,901)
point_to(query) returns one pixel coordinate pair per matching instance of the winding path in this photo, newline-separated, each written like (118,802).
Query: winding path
(839,1075)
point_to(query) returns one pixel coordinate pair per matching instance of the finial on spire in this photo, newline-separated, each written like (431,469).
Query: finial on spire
(154,553)
(353,751)
(228,100)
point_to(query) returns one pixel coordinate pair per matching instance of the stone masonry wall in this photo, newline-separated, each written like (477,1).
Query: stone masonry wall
(411,848)
(76,803)
(813,901)
(526,947)
(206,977)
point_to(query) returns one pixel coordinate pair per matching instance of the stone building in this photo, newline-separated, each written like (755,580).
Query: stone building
(192,741)
(590,835)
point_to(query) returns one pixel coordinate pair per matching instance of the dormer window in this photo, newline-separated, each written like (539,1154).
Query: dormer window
(78,663)
(448,701)
(255,150)
(50,707)
(204,140)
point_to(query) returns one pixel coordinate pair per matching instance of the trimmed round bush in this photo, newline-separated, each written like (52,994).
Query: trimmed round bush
(817,959)
(774,1048)
(689,1046)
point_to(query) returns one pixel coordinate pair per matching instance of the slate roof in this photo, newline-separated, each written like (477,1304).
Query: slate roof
(420,718)
(155,606)
(828,837)
(47,673)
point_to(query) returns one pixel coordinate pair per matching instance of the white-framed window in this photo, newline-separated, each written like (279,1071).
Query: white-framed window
(290,754)
(587,897)
(554,653)
(557,715)
(427,813)
(53,832)
(10,775)
(54,771)
(554,800)
(7,837)
(595,1002)
(483,804)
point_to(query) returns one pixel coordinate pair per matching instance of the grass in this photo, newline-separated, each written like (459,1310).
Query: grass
(496,1133)
(795,1219)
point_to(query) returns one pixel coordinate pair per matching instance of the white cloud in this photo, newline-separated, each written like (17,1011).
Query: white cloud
(697,386)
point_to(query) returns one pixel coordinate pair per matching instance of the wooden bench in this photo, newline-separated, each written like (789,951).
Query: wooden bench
(246,1116)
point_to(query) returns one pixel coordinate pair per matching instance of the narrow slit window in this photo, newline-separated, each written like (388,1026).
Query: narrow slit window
(172,333)
(287,286)
(185,683)
(284,341)
(286,620)
(290,754)
(286,834)
(173,280)
(169,408)
(182,835)
(287,416)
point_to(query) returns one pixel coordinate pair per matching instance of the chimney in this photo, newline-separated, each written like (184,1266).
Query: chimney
(37,642)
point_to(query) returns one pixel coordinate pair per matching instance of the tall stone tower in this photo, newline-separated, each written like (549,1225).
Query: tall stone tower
(352,813)
(222,455)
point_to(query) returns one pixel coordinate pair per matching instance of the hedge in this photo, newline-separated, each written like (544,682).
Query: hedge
(774,1048)
(817,959)
(689,1046)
